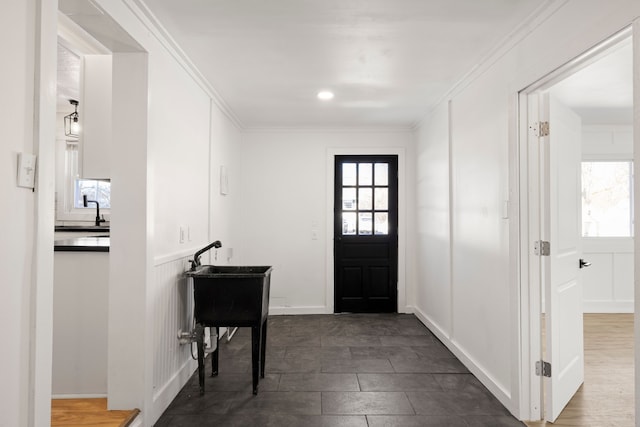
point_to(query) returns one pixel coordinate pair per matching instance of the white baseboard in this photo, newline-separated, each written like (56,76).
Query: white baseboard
(79,396)
(283,311)
(607,306)
(278,311)
(475,368)
(137,422)
(408,309)
(165,395)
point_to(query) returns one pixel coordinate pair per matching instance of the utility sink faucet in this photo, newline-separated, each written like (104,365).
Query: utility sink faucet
(85,202)
(195,262)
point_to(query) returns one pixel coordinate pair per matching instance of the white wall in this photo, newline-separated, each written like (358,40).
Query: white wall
(17,214)
(26,268)
(160,184)
(80,324)
(179,149)
(285,180)
(608,283)
(466,297)
(476,311)
(433,234)
(224,219)
(171,292)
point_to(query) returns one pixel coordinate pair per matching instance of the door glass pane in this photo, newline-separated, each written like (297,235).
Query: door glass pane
(348,199)
(348,174)
(366,174)
(348,223)
(382,174)
(364,223)
(365,198)
(382,199)
(382,223)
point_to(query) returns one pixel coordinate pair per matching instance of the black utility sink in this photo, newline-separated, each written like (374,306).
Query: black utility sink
(229,270)
(232,296)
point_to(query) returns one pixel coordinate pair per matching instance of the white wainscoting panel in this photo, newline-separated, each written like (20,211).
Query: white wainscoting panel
(172,296)
(608,282)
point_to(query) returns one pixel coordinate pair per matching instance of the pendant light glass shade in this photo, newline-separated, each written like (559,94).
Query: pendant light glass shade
(71,123)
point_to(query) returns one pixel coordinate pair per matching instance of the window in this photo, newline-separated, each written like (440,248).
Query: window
(607,199)
(365,198)
(99,191)
(71,188)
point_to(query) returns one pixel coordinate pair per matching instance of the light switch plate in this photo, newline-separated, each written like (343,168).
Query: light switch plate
(26,170)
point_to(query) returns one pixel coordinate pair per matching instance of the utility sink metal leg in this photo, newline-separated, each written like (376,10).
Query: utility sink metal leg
(263,348)
(200,344)
(256,334)
(215,355)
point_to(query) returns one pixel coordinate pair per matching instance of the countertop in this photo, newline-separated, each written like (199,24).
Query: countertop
(82,228)
(83,244)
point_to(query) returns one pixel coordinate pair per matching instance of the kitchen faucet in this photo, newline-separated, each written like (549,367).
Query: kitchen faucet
(195,262)
(85,201)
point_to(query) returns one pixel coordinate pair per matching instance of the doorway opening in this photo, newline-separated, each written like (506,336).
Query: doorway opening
(577,167)
(366,234)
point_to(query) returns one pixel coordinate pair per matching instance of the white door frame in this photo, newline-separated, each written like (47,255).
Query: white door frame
(528,176)
(40,317)
(403,303)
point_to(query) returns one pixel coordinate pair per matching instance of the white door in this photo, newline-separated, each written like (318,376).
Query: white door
(561,226)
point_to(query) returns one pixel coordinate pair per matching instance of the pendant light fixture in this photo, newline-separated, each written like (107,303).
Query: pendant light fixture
(71,124)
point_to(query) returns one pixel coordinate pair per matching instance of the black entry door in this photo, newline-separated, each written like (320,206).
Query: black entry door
(366,234)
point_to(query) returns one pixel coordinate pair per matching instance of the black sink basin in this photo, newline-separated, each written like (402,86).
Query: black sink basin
(230,295)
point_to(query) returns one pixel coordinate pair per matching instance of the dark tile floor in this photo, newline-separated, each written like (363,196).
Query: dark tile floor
(339,370)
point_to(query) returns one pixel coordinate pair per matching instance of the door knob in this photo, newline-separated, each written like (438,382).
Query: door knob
(584,263)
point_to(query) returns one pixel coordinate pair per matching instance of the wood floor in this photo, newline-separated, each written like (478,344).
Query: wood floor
(607,396)
(88,412)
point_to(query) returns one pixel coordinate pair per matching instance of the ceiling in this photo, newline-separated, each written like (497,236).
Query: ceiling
(602,92)
(68,84)
(388,62)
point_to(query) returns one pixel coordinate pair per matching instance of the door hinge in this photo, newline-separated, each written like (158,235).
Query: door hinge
(542,248)
(543,369)
(540,129)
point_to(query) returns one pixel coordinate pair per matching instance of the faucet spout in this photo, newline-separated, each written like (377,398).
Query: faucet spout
(196,257)
(85,202)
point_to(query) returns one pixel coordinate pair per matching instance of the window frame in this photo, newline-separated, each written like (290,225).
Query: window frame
(66,174)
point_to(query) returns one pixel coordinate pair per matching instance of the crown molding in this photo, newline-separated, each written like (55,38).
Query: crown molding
(540,15)
(311,129)
(151,23)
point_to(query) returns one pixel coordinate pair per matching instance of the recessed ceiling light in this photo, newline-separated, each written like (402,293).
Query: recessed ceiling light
(325,95)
